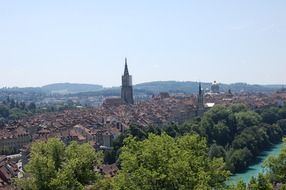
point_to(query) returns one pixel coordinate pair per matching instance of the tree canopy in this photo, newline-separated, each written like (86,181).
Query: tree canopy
(236,133)
(163,162)
(276,166)
(55,166)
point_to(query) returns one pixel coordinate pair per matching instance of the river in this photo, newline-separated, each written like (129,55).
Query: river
(257,168)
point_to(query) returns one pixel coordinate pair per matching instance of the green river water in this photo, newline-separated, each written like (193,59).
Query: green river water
(257,168)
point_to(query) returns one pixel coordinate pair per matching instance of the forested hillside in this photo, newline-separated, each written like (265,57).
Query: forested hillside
(235,133)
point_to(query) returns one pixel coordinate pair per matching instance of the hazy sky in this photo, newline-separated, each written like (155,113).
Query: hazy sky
(85,41)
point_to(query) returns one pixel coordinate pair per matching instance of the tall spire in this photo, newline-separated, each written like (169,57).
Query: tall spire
(126,68)
(127,88)
(200,106)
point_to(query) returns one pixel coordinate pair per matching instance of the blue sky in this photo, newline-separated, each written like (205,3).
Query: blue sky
(43,42)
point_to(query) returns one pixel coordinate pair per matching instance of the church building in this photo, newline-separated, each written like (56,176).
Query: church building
(200,103)
(127,88)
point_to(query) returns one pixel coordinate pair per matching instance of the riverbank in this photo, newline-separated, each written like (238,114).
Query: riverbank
(257,168)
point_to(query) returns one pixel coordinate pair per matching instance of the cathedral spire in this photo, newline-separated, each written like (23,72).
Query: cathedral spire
(200,105)
(127,88)
(126,68)
(200,89)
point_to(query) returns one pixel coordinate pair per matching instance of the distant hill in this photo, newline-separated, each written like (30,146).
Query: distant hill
(57,88)
(192,87)
(114,91)
(71,88)
(139,89)
(22,90)
(170,86)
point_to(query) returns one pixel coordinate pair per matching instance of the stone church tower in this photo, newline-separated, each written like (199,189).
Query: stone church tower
(200,105)
(127,88)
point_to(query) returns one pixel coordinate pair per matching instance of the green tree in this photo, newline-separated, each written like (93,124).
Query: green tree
(238,159)
(137,132)
(261,182)
(239,186)
(235,108)
(172,130)
(12,103)
(4,111)
(276,166)
(282,124)
(218,125)
(55,166)
(16,113)
(105,183)
(282,112)
(216,151)
(270,115)
(247,119)
(32,107)
(162,162)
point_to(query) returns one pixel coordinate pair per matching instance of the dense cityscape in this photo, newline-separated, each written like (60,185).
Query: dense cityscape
(200,103)
(102,125)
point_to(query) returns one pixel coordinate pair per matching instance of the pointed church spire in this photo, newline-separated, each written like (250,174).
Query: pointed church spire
(200,88)
(127,88)
(126,68)
(200,108)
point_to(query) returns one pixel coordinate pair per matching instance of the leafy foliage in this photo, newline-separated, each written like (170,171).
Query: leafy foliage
(11,110)
(55,166)
(162,162)
(276,166)
(261,182)
(240,133)
(235,133)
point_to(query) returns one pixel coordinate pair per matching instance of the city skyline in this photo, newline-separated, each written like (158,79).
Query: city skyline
(53,42)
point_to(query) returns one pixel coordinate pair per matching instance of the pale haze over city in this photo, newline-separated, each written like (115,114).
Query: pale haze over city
(44,42)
